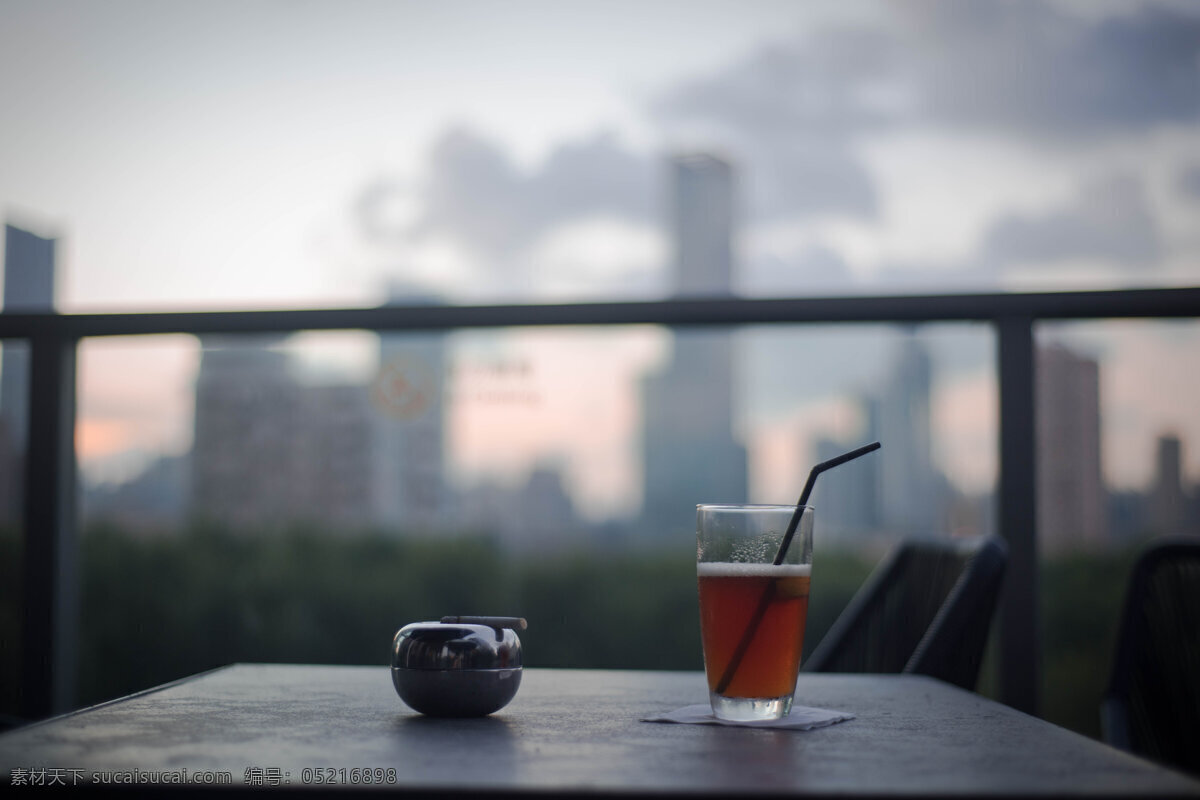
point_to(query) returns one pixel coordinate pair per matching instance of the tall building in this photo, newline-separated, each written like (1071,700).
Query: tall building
(28,286)
(1168,501)
(1072,502)
(28,270)
(269,450)
(689,452)
(910,497)
(409,427)
(29,266)
(702,225)
(898,490)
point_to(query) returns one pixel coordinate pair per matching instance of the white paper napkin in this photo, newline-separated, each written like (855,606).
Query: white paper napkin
(801,718)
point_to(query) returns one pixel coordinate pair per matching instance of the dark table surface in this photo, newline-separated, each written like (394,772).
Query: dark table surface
(572,731)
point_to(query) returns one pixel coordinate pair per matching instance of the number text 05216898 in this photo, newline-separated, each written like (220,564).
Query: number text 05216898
(357,775)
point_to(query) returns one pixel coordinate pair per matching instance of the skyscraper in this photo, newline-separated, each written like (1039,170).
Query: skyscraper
(689,452)
(409,422)
(898,491)
(702,225)
(269,450)
(909,489)
(1168,501)
(28,286)
(1071,497)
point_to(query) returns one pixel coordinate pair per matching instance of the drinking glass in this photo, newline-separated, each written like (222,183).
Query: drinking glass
(752,609)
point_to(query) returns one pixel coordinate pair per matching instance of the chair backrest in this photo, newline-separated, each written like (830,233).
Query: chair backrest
(926,609)
(1152,706)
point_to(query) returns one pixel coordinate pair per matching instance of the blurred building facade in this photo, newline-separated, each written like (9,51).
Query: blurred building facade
(911,490)
(1072,499)
(29,281)
(690,453)
(898,491)
(271,449)
(1171,507)
(408,395)
(702,225)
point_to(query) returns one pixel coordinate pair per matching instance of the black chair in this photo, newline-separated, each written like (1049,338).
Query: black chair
(1152,706)
(926,609)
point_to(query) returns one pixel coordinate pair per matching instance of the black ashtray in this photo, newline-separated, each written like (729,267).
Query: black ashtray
(458,667)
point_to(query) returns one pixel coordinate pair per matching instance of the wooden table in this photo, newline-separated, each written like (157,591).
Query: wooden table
(571,731)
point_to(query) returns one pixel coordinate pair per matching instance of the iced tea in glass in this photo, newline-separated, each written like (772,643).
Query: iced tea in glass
(752,611)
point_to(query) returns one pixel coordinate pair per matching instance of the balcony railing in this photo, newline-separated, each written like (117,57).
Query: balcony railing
(49,631)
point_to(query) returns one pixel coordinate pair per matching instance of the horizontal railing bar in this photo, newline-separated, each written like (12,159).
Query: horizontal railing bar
(1128,303)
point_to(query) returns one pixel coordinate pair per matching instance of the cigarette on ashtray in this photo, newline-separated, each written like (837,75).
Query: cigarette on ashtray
(516,623)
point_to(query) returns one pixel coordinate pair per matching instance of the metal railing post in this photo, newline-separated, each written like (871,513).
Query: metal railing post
(49,635)
(1016,515)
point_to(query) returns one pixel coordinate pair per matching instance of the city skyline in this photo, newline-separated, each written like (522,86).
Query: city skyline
(898,371)
(687,429)
(377,432)
(538,512)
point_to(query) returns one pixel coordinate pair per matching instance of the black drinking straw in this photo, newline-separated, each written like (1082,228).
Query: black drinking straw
(765,601)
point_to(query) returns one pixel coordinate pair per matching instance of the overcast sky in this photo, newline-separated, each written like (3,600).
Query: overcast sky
(283,153)
(268,154)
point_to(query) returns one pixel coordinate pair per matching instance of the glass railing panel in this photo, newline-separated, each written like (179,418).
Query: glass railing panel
(298,498)
(1118,466)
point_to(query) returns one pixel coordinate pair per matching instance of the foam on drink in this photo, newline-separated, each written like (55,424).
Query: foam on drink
(739,570)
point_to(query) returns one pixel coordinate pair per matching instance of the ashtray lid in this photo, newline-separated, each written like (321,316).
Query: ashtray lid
(459,643)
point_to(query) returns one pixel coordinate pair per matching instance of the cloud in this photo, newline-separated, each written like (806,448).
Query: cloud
(506,225)
(1108,221)
(794,111)
(815,270)
(796,116)
(785,112)
(1035,68)
(1188,182)
(383,209)
(599,256)
(819,86)
(476,194)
